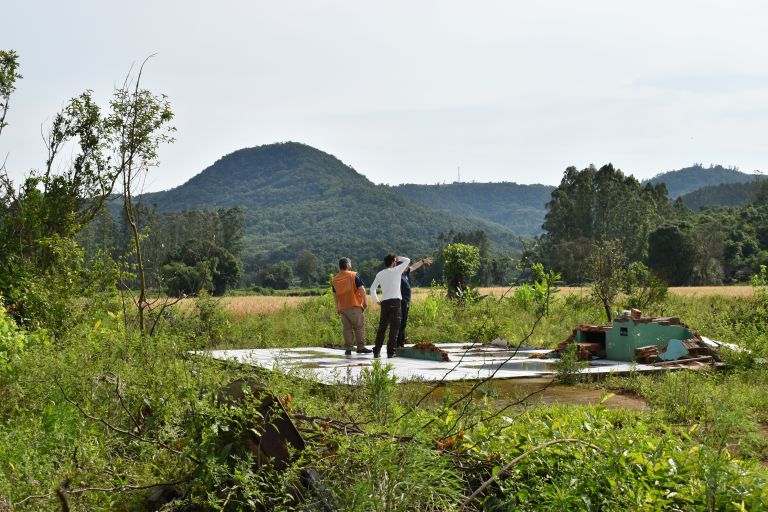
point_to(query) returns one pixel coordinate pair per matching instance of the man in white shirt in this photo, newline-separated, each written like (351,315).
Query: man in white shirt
(389,280)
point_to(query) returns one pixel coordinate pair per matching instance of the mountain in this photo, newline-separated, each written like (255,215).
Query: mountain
(726,194)
(692,178)
(297,197)
(517,208)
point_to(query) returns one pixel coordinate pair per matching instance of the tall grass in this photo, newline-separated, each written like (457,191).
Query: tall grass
(102,415)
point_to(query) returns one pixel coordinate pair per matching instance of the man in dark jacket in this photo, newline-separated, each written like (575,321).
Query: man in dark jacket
(405,291)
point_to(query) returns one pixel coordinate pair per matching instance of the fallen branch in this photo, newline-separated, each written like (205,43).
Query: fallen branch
(123,431)
(338,425)
(517,459)
(118,488)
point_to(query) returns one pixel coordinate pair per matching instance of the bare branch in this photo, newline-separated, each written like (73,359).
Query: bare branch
(122,402)
(495,371)
(118,488)
(120,430)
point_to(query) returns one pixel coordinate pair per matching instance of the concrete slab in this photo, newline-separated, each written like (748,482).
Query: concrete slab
(468,362)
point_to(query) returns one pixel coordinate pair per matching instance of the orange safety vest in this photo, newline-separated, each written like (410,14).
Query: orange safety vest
(347,295)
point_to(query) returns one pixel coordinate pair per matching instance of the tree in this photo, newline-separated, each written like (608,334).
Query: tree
(200,264)
(138,123)
(65,196)
(596,205)
(40,218)
(231,229)
(9,75)
(606,264)
(671,254)
(182,279)
(480,240)
(306,266)
(461,263)
(641,287)
(278,276)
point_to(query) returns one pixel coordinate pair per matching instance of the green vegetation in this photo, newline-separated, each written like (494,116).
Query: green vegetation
(297,198)
(103,413)
(461,263)
(725,194)
(109,402)
(197,266)
(680,247)
(684,181)
(518,208)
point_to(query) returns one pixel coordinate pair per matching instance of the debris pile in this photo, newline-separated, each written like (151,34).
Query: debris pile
(658,341)
(427,351)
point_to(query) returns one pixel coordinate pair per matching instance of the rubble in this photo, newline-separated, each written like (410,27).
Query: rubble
(632,343)
(271,435)
(657,341)
(427,351)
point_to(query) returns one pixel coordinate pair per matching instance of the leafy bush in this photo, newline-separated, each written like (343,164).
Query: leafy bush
(461,262)
(569,366)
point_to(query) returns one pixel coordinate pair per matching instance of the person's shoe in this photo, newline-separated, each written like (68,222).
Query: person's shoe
(389,356)
(376,354)
(364,350)
(347,352)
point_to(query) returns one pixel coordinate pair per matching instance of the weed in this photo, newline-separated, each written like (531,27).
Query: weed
(569,367)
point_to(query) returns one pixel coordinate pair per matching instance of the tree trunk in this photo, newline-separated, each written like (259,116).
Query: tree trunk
(607,307)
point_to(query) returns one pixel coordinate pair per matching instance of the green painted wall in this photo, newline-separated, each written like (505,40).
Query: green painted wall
(622,347)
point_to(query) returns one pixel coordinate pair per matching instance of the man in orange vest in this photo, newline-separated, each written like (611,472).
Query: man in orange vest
(351,302)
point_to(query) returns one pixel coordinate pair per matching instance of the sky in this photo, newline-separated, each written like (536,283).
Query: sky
(412,92)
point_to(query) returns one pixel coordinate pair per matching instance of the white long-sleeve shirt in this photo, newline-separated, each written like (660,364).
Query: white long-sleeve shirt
(389,280)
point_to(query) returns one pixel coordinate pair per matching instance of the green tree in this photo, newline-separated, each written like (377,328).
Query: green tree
(200,264)
(461,263)
(641,287)
(596,205)
(182,279)
(139,122)
(671,254)
(278,276)
(606,265)
(231,229)
(9,75)
(306,266)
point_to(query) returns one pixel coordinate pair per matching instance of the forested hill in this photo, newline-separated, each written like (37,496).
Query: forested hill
(518,208)
(726,194)
(692,178)
(296,197)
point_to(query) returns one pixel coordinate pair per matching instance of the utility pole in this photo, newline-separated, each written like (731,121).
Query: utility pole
(458,174)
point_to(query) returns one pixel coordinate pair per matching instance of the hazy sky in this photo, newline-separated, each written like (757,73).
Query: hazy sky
(409,91)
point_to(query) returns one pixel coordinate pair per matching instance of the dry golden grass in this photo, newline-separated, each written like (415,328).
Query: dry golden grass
(241,307)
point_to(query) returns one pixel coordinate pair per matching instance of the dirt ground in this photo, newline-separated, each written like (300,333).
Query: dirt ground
(510,390)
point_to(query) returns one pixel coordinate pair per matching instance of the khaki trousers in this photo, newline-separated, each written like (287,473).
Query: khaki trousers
(353,322)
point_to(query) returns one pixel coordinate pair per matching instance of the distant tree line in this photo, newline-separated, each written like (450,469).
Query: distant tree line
(183,253)
(593,206)
(204,250)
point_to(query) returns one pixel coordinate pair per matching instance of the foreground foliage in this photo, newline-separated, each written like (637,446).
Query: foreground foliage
(110,420)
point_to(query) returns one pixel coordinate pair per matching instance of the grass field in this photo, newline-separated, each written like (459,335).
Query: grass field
(243,306)
(105,415)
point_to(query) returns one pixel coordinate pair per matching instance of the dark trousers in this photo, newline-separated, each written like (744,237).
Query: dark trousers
(390,317)
(404,307)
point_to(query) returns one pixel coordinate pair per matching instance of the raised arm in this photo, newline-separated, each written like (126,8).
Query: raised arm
(420,263)
(374,285)
(404,262)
